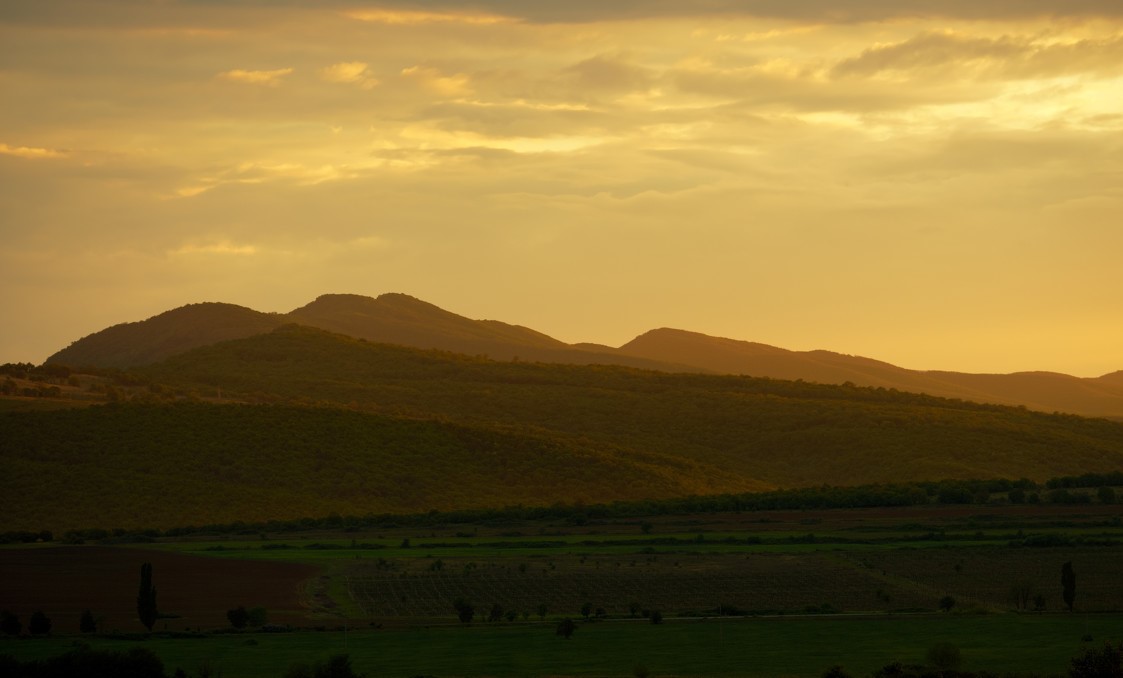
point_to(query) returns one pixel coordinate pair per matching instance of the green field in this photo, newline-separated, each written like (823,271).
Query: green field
(1038,645)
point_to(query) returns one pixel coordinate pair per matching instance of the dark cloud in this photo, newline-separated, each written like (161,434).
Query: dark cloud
(826,11)
(137,13)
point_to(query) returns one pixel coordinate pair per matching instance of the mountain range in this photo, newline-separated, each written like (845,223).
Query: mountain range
(403,320)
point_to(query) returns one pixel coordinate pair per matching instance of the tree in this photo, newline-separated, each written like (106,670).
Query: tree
(946,603)
(542,610)
(39,624)
(1020,593)
(87,624)
(656,617)
(496,613)
(565,629)
(586,610)
(10,623)
(1068,584)
(238,617)
(464,610)
(146,597)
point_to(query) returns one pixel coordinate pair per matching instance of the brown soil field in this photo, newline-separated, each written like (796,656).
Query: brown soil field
(63,581)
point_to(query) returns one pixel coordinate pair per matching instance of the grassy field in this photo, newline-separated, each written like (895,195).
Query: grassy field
(1038,645)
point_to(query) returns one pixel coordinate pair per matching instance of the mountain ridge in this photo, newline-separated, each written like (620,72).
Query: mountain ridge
(398,318)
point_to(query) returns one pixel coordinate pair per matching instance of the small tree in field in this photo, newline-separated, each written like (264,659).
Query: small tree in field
(1068,584)
(946,603)
(146,597)
(39,624)
(238,617)
(496,613)
(586,610)
(542,610)
(566,627)
(87,624)
(464,610)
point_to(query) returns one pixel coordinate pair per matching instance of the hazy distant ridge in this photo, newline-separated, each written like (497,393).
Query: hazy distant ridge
(404,320)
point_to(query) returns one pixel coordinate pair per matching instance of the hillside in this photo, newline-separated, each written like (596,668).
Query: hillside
(404,320)
(351,426)
(167,334)
(140,465)
(1043,391)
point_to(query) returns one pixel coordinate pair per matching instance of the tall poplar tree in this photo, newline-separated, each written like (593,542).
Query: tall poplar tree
(1068,584)
(146,599)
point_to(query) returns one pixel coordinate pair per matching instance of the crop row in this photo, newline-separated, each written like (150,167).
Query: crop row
(699,584)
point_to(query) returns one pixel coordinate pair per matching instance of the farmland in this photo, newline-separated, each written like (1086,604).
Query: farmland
(740,593)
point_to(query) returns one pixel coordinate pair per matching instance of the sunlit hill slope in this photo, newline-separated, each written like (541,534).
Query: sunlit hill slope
(331,423)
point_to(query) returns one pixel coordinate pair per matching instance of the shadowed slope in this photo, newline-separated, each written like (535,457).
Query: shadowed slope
(404,320)
(1042,391)
(167,334)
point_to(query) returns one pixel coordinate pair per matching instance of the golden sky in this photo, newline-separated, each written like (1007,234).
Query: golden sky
(935,183)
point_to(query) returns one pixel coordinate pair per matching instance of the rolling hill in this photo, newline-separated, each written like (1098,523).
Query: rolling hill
(333,423)
(404,320)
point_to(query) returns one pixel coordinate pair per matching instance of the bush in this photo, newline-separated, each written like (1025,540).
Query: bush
(565,628)
(338,666)
(1103,663)
(238,617)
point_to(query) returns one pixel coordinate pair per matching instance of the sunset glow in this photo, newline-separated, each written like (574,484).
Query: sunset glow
(935,184)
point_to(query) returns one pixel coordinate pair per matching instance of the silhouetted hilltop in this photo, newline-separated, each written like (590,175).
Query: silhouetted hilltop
(1045,391)
(403,320)
(172,332)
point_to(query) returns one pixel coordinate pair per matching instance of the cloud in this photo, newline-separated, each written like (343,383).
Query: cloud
(415,17)
(1006,56)
(30,152)
(432,79)
(221,247)
(818,11)
(604,72)
(271,78)
(354,72)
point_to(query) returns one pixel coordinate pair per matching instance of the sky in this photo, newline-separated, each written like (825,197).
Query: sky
(934,183)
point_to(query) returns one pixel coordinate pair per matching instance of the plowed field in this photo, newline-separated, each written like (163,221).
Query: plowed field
(63,581)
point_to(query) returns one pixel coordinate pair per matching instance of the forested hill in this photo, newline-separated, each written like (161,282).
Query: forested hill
(326,423)
(758,431)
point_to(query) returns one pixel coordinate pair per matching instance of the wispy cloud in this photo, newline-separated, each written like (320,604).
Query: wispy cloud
(1005,56)
(456,84)
(350,72)
(222,247)
(30,152)
(415,17)
(271,78)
